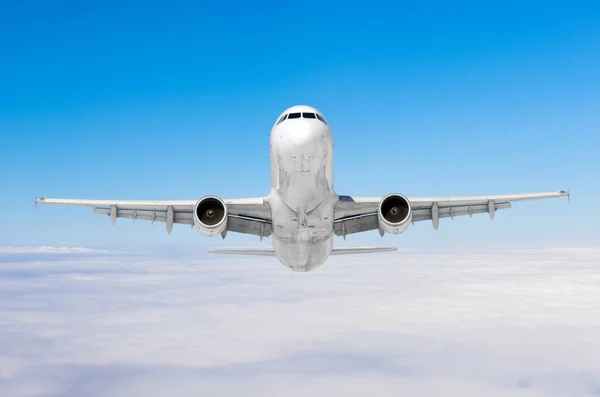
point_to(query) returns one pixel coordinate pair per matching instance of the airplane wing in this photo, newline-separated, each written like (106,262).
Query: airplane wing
(246,215)
(359,214)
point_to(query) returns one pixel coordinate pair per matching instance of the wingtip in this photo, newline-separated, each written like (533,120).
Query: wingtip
(38,200)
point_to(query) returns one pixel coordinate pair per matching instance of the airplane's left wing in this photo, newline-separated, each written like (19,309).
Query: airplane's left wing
(245,215)
(359,214)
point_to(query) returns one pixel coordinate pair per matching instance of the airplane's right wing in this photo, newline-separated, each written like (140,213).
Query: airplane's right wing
(359,214)
(245,215)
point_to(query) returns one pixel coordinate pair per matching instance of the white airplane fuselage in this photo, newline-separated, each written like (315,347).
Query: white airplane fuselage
(302,197)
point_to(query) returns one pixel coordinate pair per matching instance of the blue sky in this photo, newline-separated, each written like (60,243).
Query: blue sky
(175,100)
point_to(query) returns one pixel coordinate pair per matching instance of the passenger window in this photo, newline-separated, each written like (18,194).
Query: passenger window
(282,118)
(321,118)
(308,115)
(294,116)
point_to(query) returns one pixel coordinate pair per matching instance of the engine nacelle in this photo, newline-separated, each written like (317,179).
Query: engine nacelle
(394,213)
(210,216)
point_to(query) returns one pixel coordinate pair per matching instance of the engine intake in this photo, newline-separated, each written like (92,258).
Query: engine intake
(210,216)
(394,213)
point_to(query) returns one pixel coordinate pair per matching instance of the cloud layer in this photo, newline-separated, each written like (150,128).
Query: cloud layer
(47,249)
(182,323)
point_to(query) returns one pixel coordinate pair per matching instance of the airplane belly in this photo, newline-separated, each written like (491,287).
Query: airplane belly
(302,241)
(305,250)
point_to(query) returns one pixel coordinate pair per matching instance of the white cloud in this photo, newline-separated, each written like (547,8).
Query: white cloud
(162,323)
(48,250)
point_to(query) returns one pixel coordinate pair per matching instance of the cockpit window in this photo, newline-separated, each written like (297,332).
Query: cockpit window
(306,115)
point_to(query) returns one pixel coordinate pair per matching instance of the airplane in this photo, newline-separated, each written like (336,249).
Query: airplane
(302,212)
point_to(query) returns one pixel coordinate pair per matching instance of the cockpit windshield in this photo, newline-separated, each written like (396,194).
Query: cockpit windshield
(321,118)
(282,118)
(304,115)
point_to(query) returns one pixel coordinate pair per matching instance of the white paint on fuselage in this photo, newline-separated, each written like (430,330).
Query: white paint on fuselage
(302,197)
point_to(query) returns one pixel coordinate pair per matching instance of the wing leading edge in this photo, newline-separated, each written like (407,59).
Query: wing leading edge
(359,214)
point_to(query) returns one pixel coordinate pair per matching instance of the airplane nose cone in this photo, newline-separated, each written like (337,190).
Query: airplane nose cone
(303,135)
(302,143)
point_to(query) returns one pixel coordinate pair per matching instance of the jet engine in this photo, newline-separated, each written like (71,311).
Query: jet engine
(210,216)
(394,213)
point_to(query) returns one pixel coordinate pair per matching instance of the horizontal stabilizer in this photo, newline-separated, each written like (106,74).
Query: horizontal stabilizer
(244,252)
(351,251)
(339,251)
